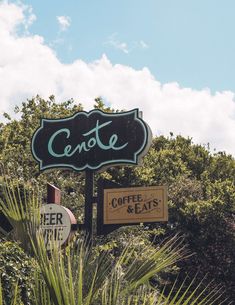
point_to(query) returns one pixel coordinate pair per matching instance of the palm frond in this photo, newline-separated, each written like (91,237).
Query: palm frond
(22,211)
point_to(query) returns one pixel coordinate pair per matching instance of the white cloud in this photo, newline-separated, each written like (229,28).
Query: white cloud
(10,17)
(144,45)
(115,43)
(64,22)
(13,17)
(29,67)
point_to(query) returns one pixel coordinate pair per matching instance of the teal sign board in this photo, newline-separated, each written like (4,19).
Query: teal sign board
(91,140)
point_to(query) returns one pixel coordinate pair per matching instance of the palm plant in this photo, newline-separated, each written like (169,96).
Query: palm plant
(76,277)
(21,207)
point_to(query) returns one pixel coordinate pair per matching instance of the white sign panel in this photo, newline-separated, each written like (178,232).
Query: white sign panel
(55,223)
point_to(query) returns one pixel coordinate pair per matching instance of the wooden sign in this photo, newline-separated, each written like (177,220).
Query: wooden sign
(53,194)
(91,140)
(135,205)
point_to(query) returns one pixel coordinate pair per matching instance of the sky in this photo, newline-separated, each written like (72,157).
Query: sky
(172,59)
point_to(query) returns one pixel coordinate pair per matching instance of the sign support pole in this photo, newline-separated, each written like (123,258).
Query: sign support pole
(89,199)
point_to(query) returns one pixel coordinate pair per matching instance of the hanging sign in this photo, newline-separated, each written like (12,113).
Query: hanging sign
(91,140)
(55,224)
(135,205)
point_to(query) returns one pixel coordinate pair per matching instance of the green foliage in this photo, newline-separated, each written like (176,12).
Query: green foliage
(16,274)
(201,193)
(78,277)
(204,212)
(22,211)
(15,150)
(15,136)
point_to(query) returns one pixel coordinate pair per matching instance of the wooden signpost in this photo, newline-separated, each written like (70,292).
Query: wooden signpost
(91,141)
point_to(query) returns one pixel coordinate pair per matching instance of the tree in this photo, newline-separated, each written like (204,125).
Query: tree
(15,149)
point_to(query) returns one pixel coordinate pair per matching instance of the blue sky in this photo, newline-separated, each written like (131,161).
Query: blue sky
(188,41)
(172,59)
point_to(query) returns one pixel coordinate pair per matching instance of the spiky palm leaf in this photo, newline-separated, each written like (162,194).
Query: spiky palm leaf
(75,277)
(21,211)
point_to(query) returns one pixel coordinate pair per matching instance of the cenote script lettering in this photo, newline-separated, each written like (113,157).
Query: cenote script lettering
(92,140)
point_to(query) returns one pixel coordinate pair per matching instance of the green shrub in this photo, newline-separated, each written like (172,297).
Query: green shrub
(16,268)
